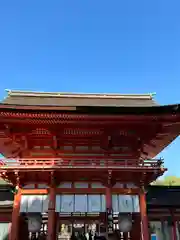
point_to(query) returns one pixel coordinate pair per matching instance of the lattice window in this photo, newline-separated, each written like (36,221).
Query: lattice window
(83,132)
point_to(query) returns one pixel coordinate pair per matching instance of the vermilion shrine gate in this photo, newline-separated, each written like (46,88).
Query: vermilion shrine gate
(83,159)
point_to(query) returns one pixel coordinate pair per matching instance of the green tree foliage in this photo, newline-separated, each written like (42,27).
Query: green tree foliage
(168,181)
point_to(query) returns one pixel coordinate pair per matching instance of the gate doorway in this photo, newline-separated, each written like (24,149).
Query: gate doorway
(81,226)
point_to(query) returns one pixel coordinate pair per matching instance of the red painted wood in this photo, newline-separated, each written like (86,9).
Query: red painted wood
(173,228)
(59,130)
(35,191)
(51,214)
(144,218)
(108,192)
(68,116)
(14,233)
(25,133)
(80,191)
(173,233)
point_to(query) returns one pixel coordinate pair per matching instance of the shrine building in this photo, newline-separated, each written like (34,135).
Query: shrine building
(83,162)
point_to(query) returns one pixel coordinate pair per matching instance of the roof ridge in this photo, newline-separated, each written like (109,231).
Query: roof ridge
(78,95)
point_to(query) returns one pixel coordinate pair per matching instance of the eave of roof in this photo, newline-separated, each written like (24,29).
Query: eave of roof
(91,106)
(140,110)
(162,114)
(155,196)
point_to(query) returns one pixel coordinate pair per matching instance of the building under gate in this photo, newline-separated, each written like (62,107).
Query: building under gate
(81,162)
(163,212)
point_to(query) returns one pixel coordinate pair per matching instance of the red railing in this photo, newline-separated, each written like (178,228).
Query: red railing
(75,163)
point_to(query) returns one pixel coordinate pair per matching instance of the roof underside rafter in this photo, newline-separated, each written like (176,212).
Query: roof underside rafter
(100,110)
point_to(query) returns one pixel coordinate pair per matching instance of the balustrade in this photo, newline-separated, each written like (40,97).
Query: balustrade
(88,162)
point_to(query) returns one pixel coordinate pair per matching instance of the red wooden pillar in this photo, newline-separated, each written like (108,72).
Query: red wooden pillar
(173,228)
(108,200)
(174,235)
(108,197)
(52,213)
(109,191)
(143,213)
(108,206)
(14,230)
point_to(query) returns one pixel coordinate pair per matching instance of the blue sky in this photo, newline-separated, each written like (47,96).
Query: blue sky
(93,46)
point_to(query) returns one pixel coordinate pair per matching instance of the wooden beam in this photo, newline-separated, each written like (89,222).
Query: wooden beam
(80,191)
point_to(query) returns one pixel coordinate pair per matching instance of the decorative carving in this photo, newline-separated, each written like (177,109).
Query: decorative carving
(40,131)
(82,132)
